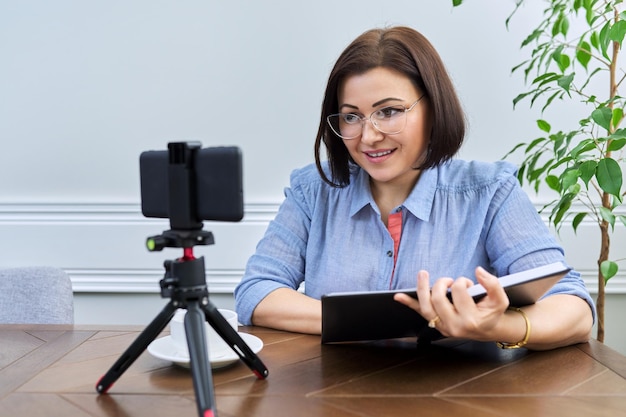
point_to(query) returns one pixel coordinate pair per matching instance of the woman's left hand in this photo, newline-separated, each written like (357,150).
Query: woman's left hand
(463,317)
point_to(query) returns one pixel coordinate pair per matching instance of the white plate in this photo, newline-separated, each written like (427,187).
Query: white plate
(163,348)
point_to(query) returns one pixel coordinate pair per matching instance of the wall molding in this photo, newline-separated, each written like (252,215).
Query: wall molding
(106,212)
(41,223)
(35,219)
(144,281)
(225,281)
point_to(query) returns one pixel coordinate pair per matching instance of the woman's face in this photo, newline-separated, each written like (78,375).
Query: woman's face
(389,159)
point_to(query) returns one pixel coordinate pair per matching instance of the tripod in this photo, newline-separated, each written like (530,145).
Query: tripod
(184,282)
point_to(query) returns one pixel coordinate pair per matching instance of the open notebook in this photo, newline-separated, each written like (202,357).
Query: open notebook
(353,316)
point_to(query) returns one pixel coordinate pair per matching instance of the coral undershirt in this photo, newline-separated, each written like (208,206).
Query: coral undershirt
(394,225)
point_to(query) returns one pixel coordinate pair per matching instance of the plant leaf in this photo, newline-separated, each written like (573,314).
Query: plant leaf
(512,151)
(618,114)
(561,208)
(583,53)
(521,97)
(589,15)
(609,175)
(563,62)
(582,147)
(616,144)
(587,170)
(603,117)
(577,220)
(564,26)
(608,270)
(533,36)
(546,78)
(603,39)
(617,31)
(518,66)
(543,125)
(551,98)
(569,178)
(533,144)
(565,81)
(595,40)
(608,216)
(619,134)
(553,182)
(560,162)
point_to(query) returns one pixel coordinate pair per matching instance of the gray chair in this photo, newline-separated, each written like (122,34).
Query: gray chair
(41,295)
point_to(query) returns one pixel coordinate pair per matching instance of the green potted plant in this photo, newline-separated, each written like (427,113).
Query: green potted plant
(574,48)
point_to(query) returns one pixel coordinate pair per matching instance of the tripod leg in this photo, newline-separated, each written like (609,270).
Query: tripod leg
(232,338)
(199,359)
(136,348)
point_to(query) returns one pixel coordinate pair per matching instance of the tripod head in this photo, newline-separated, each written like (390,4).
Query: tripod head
(179,239)
(188,184)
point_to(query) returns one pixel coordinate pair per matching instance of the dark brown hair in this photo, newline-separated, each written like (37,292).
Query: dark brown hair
(407,51)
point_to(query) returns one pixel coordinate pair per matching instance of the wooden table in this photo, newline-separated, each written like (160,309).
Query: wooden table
(52,371)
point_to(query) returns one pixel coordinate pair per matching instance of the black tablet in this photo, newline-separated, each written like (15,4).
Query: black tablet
(374,315)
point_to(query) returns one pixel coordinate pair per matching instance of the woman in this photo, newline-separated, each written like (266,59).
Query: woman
(391,207)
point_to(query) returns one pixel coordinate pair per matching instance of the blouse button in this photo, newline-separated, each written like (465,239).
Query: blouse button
(389,253)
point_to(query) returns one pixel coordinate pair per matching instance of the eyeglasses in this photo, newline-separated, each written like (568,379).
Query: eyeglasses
(388,120)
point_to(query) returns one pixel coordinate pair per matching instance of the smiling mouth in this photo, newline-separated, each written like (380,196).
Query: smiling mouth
(378,154)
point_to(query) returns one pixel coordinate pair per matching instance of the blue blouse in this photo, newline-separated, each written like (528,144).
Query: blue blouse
(459,215)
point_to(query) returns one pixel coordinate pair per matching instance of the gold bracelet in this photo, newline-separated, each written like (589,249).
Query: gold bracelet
(521,343)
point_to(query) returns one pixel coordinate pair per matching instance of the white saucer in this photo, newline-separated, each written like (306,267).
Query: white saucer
(163,348)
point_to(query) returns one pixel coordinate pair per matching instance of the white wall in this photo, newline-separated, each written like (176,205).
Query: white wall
(85,87)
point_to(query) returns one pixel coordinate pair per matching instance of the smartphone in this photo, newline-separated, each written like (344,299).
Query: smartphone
(211,184)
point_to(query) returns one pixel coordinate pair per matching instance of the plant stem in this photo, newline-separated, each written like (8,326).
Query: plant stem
(604,255)
(605,241)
